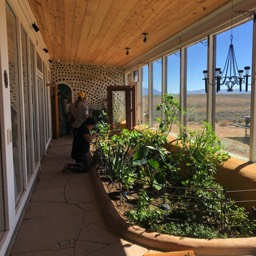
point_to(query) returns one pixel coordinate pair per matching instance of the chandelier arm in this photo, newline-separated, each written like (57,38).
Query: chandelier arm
(236,69)
(227,65)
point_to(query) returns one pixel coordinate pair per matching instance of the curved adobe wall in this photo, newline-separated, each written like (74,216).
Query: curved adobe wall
(236,174)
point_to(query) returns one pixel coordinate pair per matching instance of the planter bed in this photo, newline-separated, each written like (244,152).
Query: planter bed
(163,242)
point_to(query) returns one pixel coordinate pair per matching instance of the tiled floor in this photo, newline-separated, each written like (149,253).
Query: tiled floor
(62,218)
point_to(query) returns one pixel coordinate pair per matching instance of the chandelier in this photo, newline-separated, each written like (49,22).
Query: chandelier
(231,75)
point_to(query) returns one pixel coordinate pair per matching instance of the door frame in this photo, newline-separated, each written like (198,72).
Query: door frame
(130,102)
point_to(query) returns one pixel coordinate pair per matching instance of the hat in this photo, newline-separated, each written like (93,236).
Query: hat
(81,95)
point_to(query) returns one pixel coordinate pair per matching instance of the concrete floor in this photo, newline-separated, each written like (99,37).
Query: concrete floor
(63,218)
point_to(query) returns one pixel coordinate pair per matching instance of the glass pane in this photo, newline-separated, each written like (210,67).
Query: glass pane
(15,102)
(144,96)
(47,110)
(41,115)
(135,76)
(157,90)
(2,218)
(119,110)
(233,108)
(173,80)
(196,95)
(39,63)
(173,73)
(34,107)
(26,102)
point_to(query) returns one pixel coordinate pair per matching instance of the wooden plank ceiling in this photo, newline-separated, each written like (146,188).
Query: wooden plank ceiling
(98,31)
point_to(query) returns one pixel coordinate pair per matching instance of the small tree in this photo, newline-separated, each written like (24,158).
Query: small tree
(170,113)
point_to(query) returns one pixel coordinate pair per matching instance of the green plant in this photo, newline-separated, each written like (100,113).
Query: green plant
(184,180)
(170,113)
(100,115)
(145,214)
(202,152)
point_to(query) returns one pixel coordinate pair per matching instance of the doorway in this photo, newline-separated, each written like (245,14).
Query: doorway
(64,102)
(121,106)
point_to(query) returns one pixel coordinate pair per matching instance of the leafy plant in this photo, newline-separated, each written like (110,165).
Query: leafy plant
(100,115)
(170,113)
(183,180)
(145,214)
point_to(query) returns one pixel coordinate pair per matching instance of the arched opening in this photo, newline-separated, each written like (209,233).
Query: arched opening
(61,101)
(64,102)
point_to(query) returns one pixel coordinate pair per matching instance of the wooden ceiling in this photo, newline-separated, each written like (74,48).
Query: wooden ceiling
(98,31)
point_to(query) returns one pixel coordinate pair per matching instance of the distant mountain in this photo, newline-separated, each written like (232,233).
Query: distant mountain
(223,91)
(202,91)
(156,92)
(145,91)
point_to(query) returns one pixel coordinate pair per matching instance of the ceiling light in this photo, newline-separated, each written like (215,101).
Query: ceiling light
(35,27)
(127,51)
(145,37)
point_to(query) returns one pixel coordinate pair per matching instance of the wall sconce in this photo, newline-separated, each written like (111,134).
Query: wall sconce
(127,51)
(35,27)
(45,49)
(145,37)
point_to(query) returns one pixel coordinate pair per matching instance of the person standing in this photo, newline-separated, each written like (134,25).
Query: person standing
(79,112)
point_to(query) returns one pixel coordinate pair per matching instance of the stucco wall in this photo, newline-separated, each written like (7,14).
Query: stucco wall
(239,176)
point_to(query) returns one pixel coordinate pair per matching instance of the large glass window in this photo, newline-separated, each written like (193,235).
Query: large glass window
(15,101)
(157,89)
(173,73)
(39,63)
(47,107)
(26,87)
(233,108)
(41,114)
(173,80)
(34,104)
(196,96)
(145,96)
(2,219)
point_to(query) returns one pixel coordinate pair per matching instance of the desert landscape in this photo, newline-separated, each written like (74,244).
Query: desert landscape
(232,117)
(231,112)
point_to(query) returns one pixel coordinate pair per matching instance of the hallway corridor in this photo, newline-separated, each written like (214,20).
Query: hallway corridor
(62,216)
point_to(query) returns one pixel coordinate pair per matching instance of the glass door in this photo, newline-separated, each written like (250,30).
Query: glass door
(121,106)
(2,217)
(41,115)
(16,109)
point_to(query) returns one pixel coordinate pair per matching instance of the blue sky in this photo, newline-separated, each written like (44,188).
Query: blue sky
(197,57)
